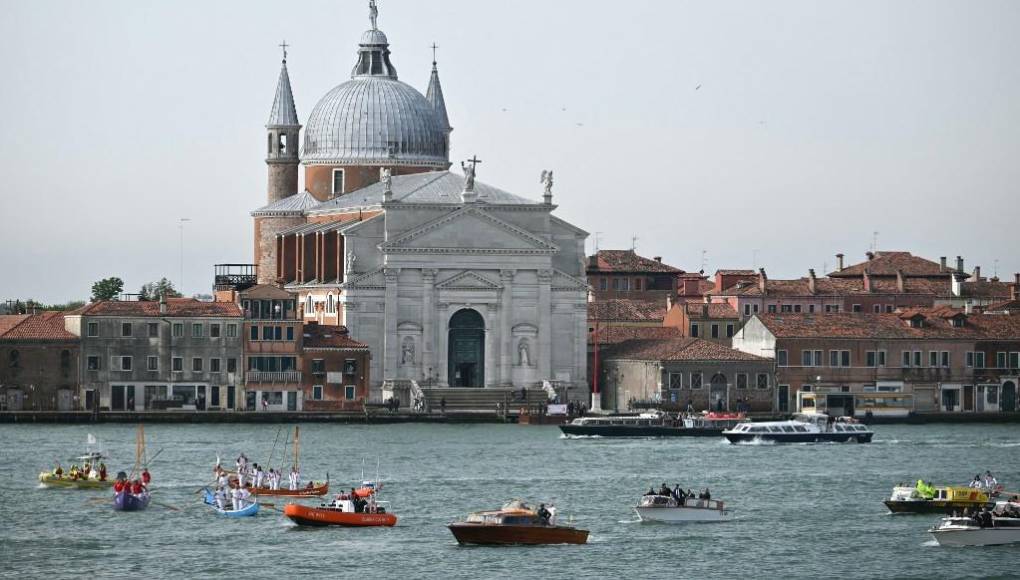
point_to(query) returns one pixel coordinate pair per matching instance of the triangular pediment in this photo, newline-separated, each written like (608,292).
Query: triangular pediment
(469,230)
(468,281)
(564,281)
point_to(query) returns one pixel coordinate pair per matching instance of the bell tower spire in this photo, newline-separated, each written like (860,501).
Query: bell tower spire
(282,132)
(434,95)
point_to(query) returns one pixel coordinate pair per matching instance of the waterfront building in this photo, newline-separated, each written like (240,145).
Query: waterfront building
(336,376)
(625,274)
(175,354)
(273,334)
(686,371)
(38,363)
(916,360)
(450,282)
(717,321)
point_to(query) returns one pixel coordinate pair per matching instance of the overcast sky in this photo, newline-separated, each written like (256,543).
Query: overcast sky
(815,125)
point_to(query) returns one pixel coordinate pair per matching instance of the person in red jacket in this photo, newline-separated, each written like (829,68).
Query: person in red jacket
(118,486)
(136,487)
(146,478)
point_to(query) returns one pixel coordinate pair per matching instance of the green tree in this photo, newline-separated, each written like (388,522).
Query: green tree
(107,289)
(153,290)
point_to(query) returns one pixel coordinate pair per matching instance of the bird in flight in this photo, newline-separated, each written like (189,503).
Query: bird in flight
(697,87)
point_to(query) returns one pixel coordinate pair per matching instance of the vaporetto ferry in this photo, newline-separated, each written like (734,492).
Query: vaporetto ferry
(803,428)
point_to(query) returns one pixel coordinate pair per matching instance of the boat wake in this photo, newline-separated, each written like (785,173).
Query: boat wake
(565,436)
(633,521)
(755,442)
(930,543)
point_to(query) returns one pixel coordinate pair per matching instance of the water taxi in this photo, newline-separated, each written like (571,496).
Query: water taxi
(653,424)
(666,509)
(515,523)
(984,529)
(342,511)
(803,428)
(924,499)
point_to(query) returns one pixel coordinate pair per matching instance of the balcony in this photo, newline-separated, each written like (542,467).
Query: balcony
(236,277)
(273,377)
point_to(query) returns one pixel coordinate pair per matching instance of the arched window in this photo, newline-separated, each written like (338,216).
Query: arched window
(330,305)
(269,144)
(309,305)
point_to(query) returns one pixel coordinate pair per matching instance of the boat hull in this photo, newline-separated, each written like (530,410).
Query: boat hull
(303,492)
(977,537)
(319,517)
(864,437)
(245,512)
(128,502)
(54,482)
(494,535)
(679,515)
(933,506)
(636,431)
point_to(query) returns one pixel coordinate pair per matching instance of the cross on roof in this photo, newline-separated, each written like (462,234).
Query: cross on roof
(284,46)
(434,47)
(474,160)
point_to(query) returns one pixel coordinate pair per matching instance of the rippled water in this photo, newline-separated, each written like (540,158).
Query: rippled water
(803,510)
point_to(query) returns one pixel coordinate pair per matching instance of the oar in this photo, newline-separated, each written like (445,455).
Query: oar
(165,505)
(271,506)
(153,458)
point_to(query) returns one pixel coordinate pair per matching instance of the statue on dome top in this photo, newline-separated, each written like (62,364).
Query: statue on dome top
(373,14)
(547,181)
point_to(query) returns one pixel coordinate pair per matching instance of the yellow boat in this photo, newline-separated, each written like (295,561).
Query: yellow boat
(48,479)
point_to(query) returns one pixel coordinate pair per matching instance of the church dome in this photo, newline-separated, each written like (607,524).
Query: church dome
(374,118)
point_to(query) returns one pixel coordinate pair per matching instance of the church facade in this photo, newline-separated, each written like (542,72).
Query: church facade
(450,281)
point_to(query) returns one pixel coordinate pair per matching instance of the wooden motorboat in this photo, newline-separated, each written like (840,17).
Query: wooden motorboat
(925,499)
(247,511)
(516,523)
(665,509)
(803,428)
(340,512)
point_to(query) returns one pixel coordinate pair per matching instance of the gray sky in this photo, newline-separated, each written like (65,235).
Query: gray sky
(816,124)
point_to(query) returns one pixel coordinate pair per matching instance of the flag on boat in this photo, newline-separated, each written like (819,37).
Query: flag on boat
(91,439)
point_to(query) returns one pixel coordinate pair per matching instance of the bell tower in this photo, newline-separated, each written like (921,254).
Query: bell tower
(282,132)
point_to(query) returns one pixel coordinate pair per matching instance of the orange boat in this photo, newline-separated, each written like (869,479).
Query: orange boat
(340,512)
(515,524)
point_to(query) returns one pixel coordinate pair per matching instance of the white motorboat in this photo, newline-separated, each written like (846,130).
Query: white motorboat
(803,428)
(664,508)
(965,531)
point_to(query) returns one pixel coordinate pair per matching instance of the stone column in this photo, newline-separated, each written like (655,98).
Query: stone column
(491,377)
(443,342)
(391,348)
(506,346)
(545,324)
(428,315)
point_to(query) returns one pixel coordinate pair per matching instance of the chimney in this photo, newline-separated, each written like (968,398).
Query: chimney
(942,264)
(812,281)
(870,255)
(977,272)
(901,284)
(959,264)
(593,262)
(658,259)
(1014,290)
(162,304)
(867,280)
(839,262)
(761,280)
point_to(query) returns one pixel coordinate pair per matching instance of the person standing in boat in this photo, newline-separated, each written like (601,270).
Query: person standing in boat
(552,514)
(102,471)
(58,471)
(295,477)
(235,498)
(146,477)
(543,514)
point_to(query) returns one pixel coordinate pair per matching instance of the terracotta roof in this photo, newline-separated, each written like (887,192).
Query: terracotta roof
(628,261)
(986,289)
(679,349)
(800,287)
(616,334)
(46,326)
(937,324)
(633,309)
(1006,306)
(716,310)
(9,321)
(736,272)
(887,263)
(185,307)
(323,336)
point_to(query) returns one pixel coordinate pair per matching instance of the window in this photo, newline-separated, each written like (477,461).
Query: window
(637,283)
(694,329)
(153,329)
(881,358)
(338,182)
(318,366)
(763,381)
(676,380)
(178,330)
(309,305)
(839,358)
(781,358)
(254,334)
(870,358)
(772,308)
(979,360)
(889,308)
(350,366)
(958,322)
(917,358)
(945,359)
(741,380)
(906,359)
(811,308)
(832,308)
(214,331)
(267,333)
(125,329)
(177,364)
(747,310)
(715,331)
(92,329)
(125,363)
(330,306)
(290,333)
(729,331)
(196,330)
(152,363)
(317,392)
(805,358)
(1000,360)
(349,392)
(214,365)
(603,284)
(695,380)
(196,365)
(933,358)
(796,307)
(1014,360)
(811,358)
(970,360)
(856,307)
(92,363)
(231,365)
(755,307)
(877,309)
(231,331)
(787,308)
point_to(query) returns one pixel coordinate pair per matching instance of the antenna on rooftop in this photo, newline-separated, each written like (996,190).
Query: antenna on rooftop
(874,241)
(597,234)
(633,243)
(704,260)
(754,259)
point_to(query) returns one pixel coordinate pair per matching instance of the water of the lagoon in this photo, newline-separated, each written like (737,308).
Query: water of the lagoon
(804,510)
